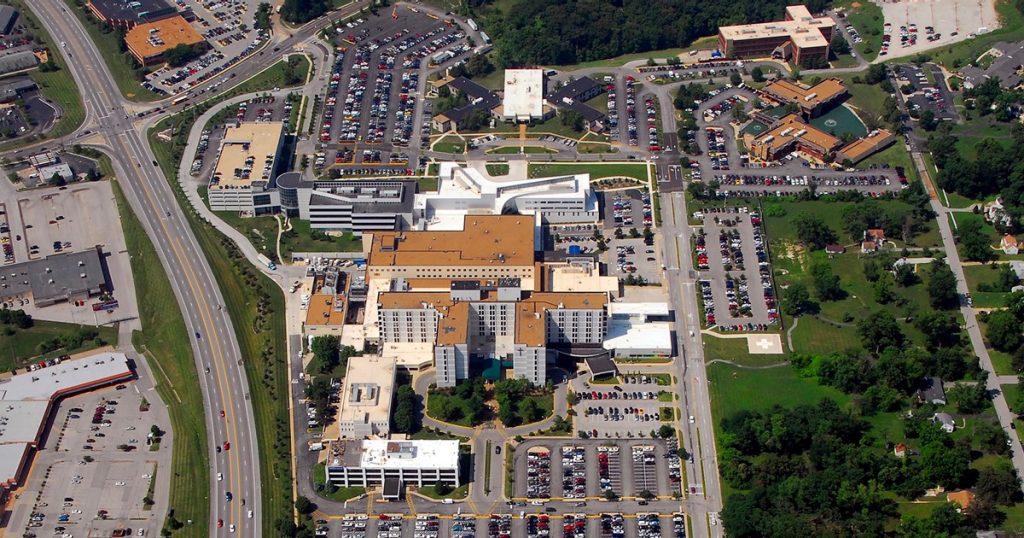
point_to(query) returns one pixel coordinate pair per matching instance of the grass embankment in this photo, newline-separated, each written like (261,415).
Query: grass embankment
(122,65)
(57,86)
(636,171)
(22,346)
(165,341)
(867,18)
(256,306)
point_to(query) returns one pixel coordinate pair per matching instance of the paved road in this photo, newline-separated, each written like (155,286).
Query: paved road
(703,481)
(215,346)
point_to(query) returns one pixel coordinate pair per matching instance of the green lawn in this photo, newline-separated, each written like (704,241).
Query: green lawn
(978,128)
(735,350)
(619,60)
(433,408)
(866,98)
(269,78)
(984,274)
(516,150)
(497,169)
(596,170)
(165,341)
(813,335)
(339,494)
(21,348)
(866,17)
(895,155)
(121,64)
(1001,361)
(734,389)
(453,144)
(427,184)
(456,494)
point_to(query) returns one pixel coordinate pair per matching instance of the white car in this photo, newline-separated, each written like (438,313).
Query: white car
(250,514)
(220,476)
(231,528)
(147,476)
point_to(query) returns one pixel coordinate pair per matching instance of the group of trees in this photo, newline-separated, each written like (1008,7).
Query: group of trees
(1003,329)
(73,340)
(991,98)
(406,417)
(570,31)
(15,317)
(303,11)
(998,169)
(515,404)
(330,354)
(464,401)
(182,54)
(478,65)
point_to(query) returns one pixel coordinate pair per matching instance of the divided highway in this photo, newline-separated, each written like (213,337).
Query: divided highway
(215,347)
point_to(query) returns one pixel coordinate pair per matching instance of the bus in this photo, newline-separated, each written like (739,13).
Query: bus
(179,100)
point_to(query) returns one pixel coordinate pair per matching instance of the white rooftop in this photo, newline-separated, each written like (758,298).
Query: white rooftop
(20,421)
(366,392)
(383,454)
(10,459)
(638,309)
(625,336)
(67,376)
(524,94)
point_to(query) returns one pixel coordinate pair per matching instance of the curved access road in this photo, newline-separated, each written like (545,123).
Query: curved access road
(214,345)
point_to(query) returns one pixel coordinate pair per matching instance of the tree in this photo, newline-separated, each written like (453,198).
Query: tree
(1003,331)
(998,483)
(406,416)
(56,180)
(327,352)
(610,495)
(572,119)
(883,288)
(796,300)
(666,431)
(647,495)
(826,283)
(928,121)
(839,45)
(879,331)
(974,244)
(1015,304)
(304,506)
(969,398)
(182,54)
(941,329)
(876,74)
(303,11)
(942,286)
(735,79)
(812,231)
(757,74)
(904,275)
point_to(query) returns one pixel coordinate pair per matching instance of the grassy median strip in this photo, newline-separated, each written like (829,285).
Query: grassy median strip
(166,344)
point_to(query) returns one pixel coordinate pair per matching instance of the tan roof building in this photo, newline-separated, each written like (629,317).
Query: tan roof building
(149,41)
(800,37)
(788,134)
(812,100)
(862,148)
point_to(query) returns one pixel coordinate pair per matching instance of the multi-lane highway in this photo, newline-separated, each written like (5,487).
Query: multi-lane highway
(214,345)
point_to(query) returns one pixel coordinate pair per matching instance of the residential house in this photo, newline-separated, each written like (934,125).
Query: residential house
(1009,244)
(834,248)
(962,498)
(945,420)
(900,450)
(930,391)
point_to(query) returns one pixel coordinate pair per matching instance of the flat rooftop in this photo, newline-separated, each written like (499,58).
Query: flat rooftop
(20,420)
(325,309)
(66,377)
(154,38)
(383,454)
(638,309)
(629,335)
(524,93)
(862,147)
(485,240)
(806,96)
(54,276)
(248,153)
(801,28)
(367,390)
(133,10)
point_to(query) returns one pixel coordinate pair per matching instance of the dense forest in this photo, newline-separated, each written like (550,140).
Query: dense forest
(560,32)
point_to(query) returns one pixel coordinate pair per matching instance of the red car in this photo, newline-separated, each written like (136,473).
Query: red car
(220,523)
(227,445)
(221,413)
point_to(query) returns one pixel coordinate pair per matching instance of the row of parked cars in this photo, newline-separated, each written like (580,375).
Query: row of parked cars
(846,180)
(631,124)
(538,474)
(380,103)
(499,526)
(331,99)
(574,472)
(716,148)
(652,123)
(613,525)
(406,109)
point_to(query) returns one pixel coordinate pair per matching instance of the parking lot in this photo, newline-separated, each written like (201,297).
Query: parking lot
(368,120)
(735,274)
(76,218)
(924,95)
(94,480)
(916,25)
(259,110)
(584,470)
(629,408)
(228,27)
(629,253)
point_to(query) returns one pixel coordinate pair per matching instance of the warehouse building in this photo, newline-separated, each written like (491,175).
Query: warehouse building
(72,276)
(800,37)
(18,61)
(129,13)
(8,16)
(395,464)
(243,177)
(148,42)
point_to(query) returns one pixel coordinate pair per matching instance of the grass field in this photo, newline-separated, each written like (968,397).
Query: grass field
(165,342)
(18,349)
(736,389)
(895,155)
(120,64)
(984,274)
(1000,359)
(427,184)
(866,17)
(596,170)
(497,169)
(455,494)
(813,335)
(256,306)
(340,494)
(735,350)
(453,144)
(978,128)
(866,98)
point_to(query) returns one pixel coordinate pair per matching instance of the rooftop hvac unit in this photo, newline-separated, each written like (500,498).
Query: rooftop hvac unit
(810,96)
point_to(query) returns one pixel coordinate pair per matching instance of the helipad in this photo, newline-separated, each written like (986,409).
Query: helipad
(764,344)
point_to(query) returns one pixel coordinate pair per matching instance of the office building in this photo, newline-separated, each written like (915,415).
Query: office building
(148,42)
(72,276)
(862,148)
(348,206)
(366,394)
(245,169)
(464,190)
(813,101)
(800,37)
(791,134)
(523,100)
(128,13)
(377,462)
(481,101)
